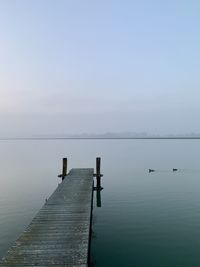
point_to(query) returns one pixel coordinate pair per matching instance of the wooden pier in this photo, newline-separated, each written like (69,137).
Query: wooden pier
(59,235)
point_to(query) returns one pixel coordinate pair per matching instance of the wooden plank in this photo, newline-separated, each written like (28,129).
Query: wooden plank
(59,235)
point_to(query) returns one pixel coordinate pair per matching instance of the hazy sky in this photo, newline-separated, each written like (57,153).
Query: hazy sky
(76,66)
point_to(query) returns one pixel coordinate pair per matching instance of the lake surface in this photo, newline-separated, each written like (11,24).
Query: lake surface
(145,219)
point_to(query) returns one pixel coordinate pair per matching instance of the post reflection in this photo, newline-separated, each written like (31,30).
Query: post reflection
(98,198)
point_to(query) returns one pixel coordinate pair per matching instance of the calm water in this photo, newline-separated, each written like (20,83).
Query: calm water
(144,219)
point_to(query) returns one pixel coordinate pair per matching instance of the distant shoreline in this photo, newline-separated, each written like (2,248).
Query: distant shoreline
(99,138)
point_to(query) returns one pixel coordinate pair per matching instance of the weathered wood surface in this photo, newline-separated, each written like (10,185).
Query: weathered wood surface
(59,234)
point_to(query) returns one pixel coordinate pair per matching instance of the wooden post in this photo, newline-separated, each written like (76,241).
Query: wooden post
(98,172)
(64,170)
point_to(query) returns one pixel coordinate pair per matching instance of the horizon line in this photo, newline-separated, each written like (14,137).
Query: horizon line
(102,138)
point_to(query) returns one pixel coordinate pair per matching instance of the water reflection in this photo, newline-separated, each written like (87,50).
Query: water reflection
(98,198)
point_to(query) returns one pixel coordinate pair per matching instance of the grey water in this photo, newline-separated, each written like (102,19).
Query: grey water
(145,219)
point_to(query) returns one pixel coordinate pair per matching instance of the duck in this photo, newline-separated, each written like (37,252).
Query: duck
(174,170)
(151,170)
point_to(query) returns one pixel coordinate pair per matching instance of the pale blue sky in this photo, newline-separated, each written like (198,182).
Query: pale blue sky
(78,66)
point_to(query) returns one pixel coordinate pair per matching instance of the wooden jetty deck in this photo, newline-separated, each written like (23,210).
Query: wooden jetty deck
(59,235)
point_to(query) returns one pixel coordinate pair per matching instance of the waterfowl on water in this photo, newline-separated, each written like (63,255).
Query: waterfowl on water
(151,170)
(174,170)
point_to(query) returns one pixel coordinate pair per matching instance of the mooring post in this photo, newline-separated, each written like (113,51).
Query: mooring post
(64,170)
(98,172)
